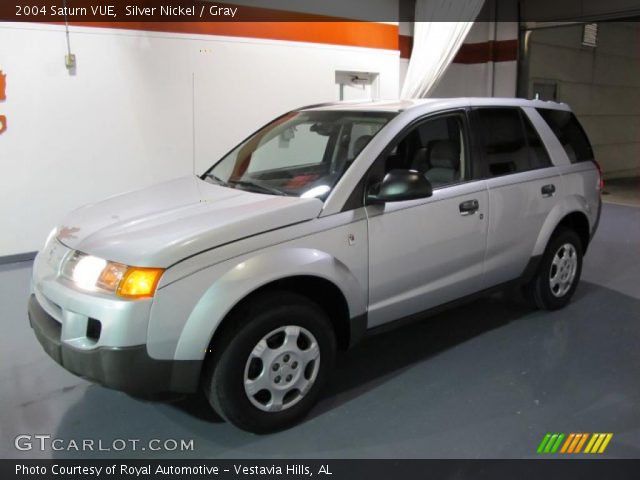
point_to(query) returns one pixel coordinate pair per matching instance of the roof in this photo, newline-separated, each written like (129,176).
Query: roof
(399,105)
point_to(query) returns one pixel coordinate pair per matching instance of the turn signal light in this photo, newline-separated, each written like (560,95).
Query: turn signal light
(139,282)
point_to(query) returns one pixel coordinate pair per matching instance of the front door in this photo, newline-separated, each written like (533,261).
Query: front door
(427,252)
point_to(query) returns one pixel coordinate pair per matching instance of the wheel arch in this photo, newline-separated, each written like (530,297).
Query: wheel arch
(316,274)
(579,223)
(572,218)
(325,293)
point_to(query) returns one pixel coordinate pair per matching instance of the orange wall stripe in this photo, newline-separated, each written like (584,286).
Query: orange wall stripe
(348,33)
(3,97)
(492,51)
(3,86)
(405,44)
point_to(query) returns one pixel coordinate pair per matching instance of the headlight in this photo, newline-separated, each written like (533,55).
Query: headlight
(96,274)
(51,236)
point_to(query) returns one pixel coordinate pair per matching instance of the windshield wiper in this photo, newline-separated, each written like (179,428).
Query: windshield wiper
(247,184)
(217,179)
(259,186)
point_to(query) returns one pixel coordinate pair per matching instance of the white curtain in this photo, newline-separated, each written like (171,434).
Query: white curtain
(435,42)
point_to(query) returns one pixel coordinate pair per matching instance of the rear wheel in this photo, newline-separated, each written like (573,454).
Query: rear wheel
(559,272)
(268,369)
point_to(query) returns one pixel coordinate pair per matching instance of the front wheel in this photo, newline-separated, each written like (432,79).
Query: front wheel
(559,272)
(269,366)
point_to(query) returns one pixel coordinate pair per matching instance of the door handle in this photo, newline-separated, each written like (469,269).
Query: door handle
(469,207)
(548,190)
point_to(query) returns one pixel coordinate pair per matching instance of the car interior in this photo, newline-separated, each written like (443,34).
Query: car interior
(342,143)
(505,147)
(436,148)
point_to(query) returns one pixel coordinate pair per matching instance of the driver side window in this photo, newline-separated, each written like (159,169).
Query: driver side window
(435,147)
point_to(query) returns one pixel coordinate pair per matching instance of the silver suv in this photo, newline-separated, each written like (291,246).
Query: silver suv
(325,224)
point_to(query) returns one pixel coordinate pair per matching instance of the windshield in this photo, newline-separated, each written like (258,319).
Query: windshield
(300,154)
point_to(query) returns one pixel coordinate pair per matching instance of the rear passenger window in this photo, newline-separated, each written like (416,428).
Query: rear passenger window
(570,134)
(509,142)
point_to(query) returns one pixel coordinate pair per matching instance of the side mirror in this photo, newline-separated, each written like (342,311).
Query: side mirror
(399,185)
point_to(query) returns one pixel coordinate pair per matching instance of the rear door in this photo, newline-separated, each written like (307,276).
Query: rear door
(523,187)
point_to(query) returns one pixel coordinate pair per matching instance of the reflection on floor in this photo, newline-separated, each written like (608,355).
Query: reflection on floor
(485,380)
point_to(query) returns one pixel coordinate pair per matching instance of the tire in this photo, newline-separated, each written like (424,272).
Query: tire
(559,271)
(269,345)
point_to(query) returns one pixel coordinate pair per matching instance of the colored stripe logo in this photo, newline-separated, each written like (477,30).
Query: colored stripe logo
(574,442)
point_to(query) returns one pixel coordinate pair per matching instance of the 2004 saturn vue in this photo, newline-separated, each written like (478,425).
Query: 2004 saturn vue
(326,223)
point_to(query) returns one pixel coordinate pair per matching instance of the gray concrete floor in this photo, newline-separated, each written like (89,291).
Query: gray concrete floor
(622,191)
(486,380)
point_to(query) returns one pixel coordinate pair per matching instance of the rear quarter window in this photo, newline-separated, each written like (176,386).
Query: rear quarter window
(570,134)
(537,152)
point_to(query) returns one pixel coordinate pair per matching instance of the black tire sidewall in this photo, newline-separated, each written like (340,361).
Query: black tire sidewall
(544,297)
(225,389)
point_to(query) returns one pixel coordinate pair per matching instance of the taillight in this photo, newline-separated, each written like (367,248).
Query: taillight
(600,184)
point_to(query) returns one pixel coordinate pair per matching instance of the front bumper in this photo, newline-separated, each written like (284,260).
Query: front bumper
(122,368)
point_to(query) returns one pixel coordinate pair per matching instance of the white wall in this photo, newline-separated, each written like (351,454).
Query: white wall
(126,119)
(490,79)
(270,79)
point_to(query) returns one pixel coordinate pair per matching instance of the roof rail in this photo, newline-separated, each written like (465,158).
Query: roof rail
(316,105)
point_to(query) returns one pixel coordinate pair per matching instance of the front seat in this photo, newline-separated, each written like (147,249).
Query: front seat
(444,160)
(420,161)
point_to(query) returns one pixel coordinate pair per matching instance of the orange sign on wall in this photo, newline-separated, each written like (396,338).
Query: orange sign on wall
(3,97)
(3,86)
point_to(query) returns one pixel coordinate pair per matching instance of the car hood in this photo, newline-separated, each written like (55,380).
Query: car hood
(161,225)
